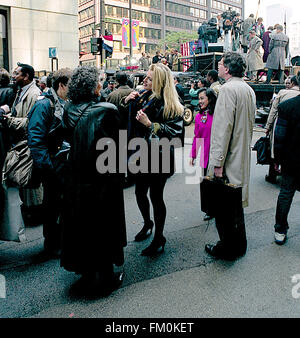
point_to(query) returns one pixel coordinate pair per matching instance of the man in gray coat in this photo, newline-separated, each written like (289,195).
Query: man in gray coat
(279,49)
(230,155)
(144,62)
(246,28)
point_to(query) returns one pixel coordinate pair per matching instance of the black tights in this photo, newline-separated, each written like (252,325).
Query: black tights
(156,184)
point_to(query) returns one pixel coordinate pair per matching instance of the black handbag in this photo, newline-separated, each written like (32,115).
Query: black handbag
(263,149)
(219,197)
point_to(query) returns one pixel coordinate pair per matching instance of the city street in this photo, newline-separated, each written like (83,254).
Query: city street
(183,282)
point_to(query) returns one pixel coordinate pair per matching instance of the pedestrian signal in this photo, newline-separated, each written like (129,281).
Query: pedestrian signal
(96,45)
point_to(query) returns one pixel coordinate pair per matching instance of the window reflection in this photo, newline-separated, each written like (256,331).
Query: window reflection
(2,41)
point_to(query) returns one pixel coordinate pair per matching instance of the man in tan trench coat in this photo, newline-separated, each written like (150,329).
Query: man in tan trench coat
(17,121)
(230,153)
(254,57)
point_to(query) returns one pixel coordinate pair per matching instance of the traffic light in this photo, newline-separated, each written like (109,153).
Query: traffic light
(96,45)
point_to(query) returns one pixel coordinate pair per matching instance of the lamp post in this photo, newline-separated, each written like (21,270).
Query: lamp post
(130,29)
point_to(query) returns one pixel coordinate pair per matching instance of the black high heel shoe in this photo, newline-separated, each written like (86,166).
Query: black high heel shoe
(145,232)
(157,246)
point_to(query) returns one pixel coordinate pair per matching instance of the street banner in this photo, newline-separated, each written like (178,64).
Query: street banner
(135,33)
(125,33)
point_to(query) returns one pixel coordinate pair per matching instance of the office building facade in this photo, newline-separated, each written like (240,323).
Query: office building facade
(156,18)
(28,28)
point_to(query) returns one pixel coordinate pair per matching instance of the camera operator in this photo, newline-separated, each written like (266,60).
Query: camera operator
(212,30)
(203,38)
(236,31)
(228,16)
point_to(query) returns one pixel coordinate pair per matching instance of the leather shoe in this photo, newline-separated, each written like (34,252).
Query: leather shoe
(208,218)
(270,179)
(218,252)
(91,286)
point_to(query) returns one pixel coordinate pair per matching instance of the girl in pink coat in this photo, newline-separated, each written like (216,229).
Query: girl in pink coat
(202,132)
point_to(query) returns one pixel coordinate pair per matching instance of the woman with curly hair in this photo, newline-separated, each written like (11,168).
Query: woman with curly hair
(155,113)
(94,232)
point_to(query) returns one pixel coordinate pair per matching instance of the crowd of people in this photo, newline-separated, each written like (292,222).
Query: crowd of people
(62,125)
(169,58)
(250,36)
(69,124)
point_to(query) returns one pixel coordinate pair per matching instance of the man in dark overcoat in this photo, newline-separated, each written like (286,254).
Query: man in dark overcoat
(287,153)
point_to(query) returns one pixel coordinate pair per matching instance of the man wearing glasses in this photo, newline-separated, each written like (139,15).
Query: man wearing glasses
(230,154)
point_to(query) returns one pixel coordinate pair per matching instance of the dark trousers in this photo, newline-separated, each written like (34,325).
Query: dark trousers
(272,172)
(285,199)
(232,232)
(52,203)
(156,185)
(204,46)
(280,75)
(245,49)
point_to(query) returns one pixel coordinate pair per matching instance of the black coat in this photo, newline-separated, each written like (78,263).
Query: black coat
(94,230)
(7,96)
(180,92)
(287,137)
(161,128)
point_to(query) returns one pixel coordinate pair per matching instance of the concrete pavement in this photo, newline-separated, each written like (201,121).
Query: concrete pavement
(183,282)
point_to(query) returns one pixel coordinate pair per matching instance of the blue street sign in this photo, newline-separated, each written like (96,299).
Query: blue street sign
(52,52)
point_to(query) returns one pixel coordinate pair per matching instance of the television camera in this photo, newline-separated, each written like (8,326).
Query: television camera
(228,18)
(209,31)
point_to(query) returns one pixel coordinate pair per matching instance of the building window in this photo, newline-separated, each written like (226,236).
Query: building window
(3,41)
(86,30)
(87,13)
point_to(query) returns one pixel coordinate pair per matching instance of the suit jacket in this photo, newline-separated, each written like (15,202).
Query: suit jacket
(283,95)
(20,121)
(287,137)
(116,96)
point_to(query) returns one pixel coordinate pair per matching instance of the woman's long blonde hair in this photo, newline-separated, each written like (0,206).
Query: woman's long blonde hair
(163,87)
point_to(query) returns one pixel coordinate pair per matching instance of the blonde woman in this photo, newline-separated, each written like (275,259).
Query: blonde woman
(155,112)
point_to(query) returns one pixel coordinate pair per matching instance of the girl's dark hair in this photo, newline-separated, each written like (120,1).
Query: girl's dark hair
(212,99)
(205,83)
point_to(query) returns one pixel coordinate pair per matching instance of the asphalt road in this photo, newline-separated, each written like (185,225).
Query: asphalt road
(183,282)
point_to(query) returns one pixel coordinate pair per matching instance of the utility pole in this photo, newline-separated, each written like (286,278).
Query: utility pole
(102,31)
(130,30)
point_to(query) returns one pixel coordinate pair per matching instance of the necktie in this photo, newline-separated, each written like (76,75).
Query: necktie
(17,100)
